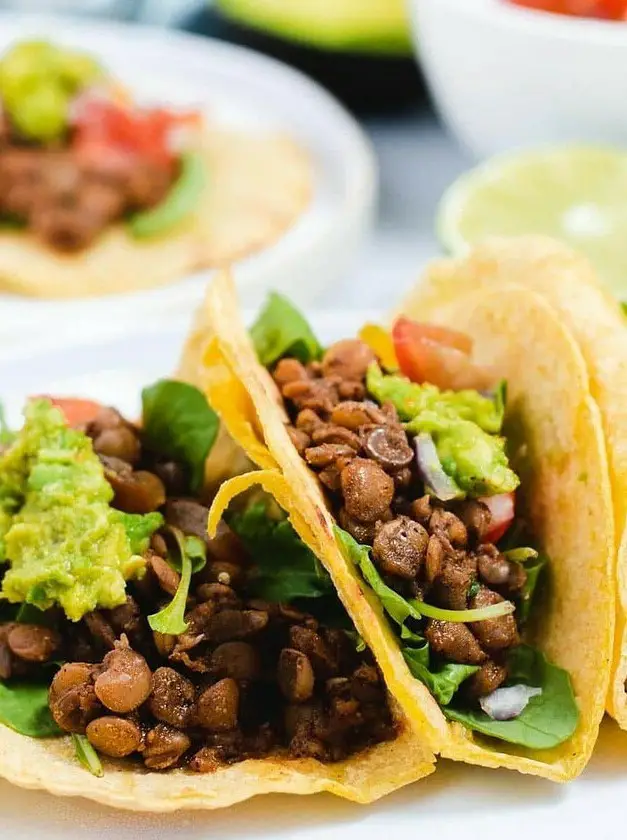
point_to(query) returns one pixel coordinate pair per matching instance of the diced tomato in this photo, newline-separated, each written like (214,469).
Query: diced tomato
(429,353)
(501,514)
(603,9)
(77,411)
(108,128)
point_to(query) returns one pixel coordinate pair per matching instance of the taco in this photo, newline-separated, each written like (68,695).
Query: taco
(101,195)
(146,666)
(437,470)
(568,283)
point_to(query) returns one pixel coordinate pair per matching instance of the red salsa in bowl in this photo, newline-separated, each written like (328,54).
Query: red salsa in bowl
(601,9)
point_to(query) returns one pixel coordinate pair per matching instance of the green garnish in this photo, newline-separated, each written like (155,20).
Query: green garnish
(187,558)
(179,423)
(548,719)
(178,205)
(480,614)
(285,568)
(520,555)
(87,755)
(281,330)
(24,708)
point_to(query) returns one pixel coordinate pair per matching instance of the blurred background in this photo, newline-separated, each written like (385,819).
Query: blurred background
(531,96)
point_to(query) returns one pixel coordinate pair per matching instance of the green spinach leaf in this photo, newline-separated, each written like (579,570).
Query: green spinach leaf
(140,528)
(397,607)
(281,330)
(548,720)
(285,568)
(87,755)
(24,708)
(534,570)
(179,423)
(442,682)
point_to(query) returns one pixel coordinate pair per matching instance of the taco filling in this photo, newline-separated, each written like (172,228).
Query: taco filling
(76,155)
(123,624)
(405,434)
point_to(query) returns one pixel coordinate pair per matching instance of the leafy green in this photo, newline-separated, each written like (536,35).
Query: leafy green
(197,552)
(6,435)
(281,330)
(442,682)
(87,755)
(411,400)
(24,708)
(285,568)
(397,607)
(520,555)
(179,423)
(171,619)
(139,528)
(547,720)
(623,306)
(533,571)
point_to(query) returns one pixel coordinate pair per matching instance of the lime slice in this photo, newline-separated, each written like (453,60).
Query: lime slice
(574,193)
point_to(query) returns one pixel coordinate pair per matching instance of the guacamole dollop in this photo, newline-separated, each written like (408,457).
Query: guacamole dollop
(464,426)
(62,540)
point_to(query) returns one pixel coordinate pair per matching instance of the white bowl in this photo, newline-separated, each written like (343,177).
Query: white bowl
(503,76)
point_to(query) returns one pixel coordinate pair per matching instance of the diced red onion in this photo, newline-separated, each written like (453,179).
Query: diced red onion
(508,703)
(431,471)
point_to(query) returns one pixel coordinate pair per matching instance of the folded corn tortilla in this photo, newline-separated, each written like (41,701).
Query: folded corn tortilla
(50,764)
(568,284)
(566,497)
(257,186)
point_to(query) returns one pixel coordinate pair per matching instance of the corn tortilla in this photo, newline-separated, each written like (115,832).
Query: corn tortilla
(50,764)
(257,186)
(566,496)
(568,283)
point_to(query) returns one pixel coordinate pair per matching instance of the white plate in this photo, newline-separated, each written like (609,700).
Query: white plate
(240,88)
(458,801)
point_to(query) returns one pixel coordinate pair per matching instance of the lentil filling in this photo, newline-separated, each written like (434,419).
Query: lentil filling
(247,677)
(423,548)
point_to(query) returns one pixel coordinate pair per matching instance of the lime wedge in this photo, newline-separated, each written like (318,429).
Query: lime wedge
(574,193)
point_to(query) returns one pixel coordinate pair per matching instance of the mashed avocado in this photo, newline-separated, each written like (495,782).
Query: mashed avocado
(464,426)
(63,542)
(411,399)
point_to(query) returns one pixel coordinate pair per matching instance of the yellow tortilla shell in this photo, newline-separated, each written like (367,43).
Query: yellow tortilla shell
(568,283)
(567,497)
(51,765)
(257,186)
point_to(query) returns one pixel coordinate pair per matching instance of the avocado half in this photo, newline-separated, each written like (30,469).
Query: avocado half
(366,27)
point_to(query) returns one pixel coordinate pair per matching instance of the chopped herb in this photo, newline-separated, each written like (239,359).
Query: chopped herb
(87,755)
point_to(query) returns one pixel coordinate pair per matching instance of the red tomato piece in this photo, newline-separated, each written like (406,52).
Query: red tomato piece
(428,353)
(603,9)
(106,129)
(501,509)
(77,411)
